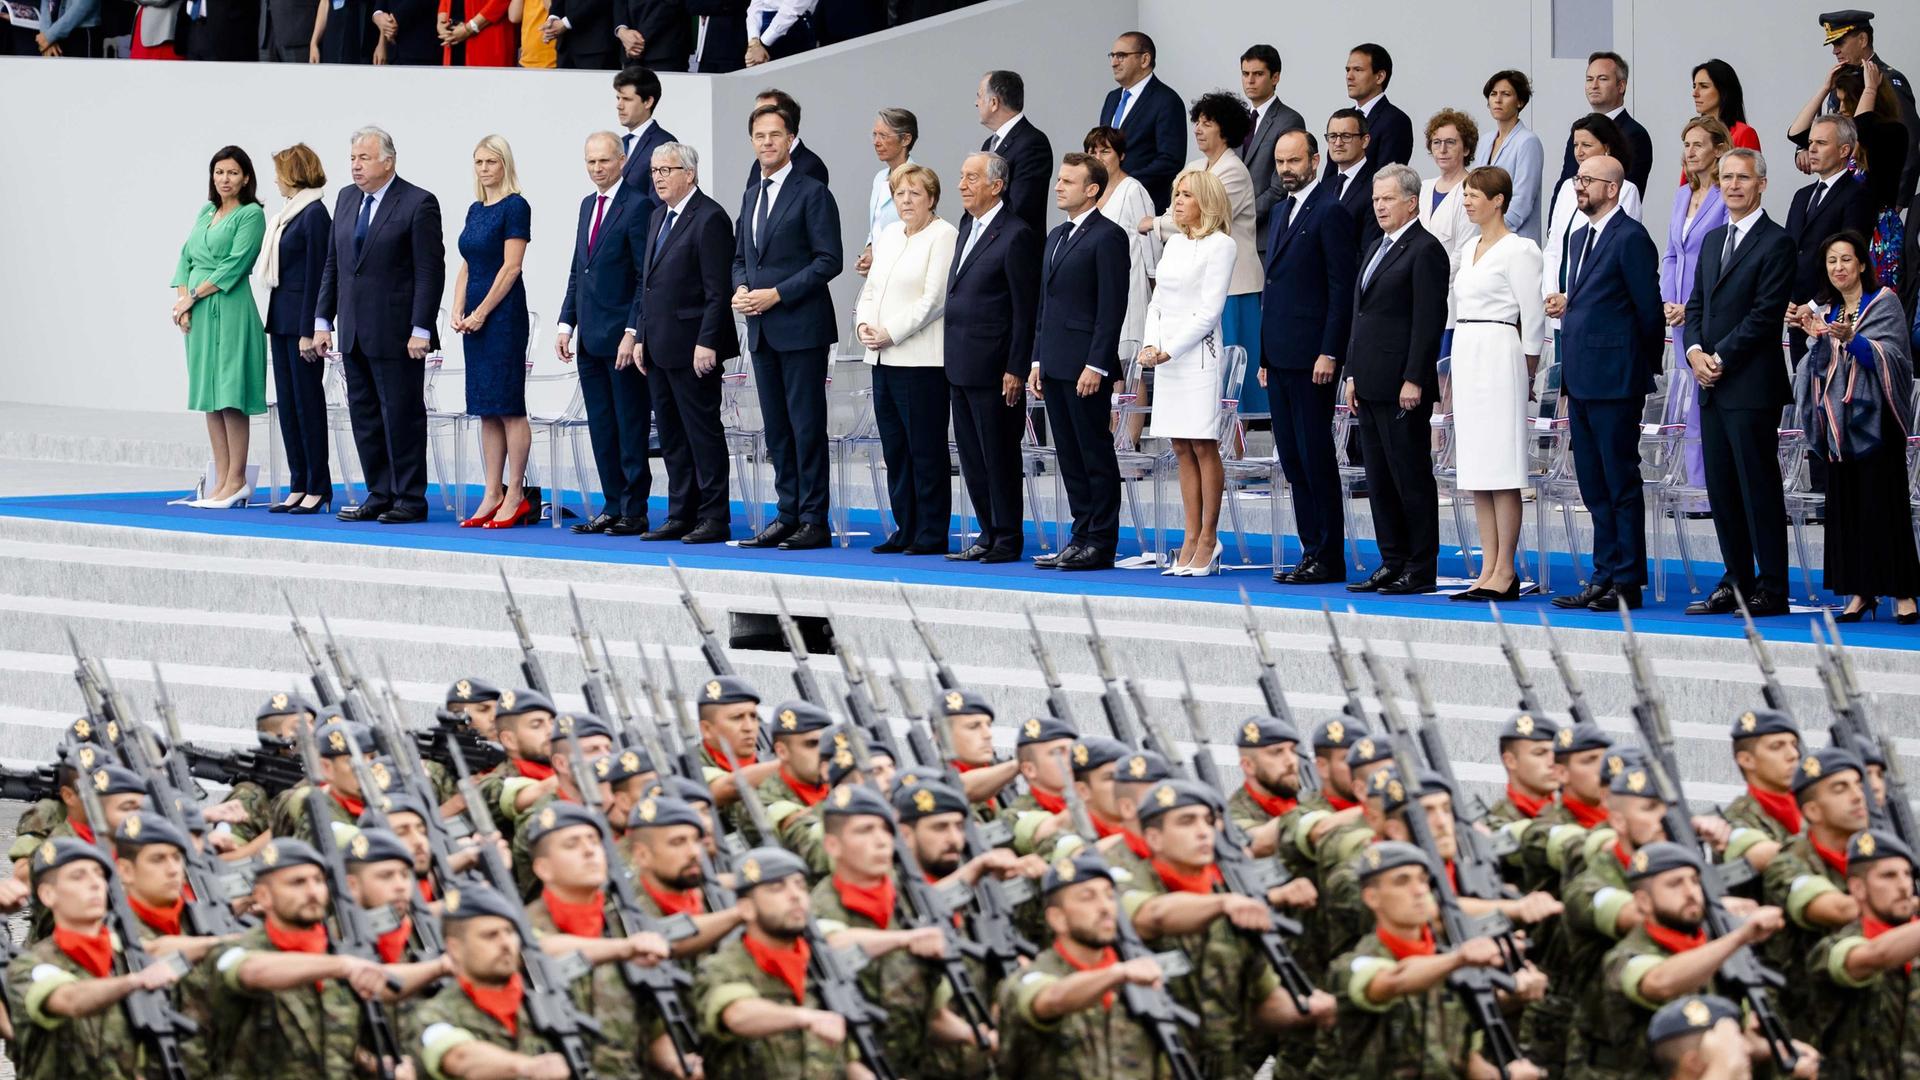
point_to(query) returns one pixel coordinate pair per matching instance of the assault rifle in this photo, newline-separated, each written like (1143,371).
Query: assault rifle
(1272,693)
(323,687)
(717,661)
(1522,678)
(1851,724)
(1057,704)
(530,669)
(1112,701)
(803,681)
(594,688)
(941,670)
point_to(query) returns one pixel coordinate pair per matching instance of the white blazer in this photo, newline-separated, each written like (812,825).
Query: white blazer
(1233,175)
(1195,277)
(906,293)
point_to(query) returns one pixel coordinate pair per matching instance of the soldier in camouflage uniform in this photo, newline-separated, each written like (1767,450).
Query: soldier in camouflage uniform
(150,860)
(1807,880)
(625,777)
(561,785)
(478,1024)
(758,1012)
(475,700)
(66,990)
(798,731)
(1178,902)
(1699,1037)
(664,840)
(273,726)
(969,719)
(122,792)
(1863,1000)
(1767,749)
(1096,775)
(1035,816)
(345,801)
(407,820)
(729,715)
(1527,754)
(1332,738)
(1268,803)
(380,877)
(1061,1018)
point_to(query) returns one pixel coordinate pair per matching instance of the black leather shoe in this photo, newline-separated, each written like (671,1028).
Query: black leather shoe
(1316,572)
(1609,602)
(402,517)
(674,529)
(807,537)
(891,545)
(1763,603)
(999,555)
(1053,561)
(771,536)
(1304,566)
(1407,584)
(594,525)
(1581,599)
(710,531)
(1088,558)
(1468,596)
(362,512)
(927,549)
(1720,601)
(627,526)
(972,554)
(1373,581)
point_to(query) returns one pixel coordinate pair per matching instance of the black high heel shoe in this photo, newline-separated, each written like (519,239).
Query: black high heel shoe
(1870,608)
(326,502)
(1906,618)
(285,507)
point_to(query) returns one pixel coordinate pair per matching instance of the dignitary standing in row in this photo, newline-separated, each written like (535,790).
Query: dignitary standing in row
(1516,149)
(296,255)
(999,102)
(490,309)
(894,133)
(1149,112)
(1260,82)
(1127,204)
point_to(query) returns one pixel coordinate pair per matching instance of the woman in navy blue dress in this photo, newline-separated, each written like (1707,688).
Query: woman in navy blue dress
(296,251)
(490,309)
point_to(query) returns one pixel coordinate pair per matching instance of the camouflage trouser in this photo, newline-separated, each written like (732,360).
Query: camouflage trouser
(1293,1056)
(1543,1032)
(955,1061)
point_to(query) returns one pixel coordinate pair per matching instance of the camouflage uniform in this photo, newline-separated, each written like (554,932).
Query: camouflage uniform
(909,988)
(99,1047)
(1340,919)
(1593,896)
(1794,879)
(450,1018)
(1309,949)
(1101,1043)
(605,996)
(1413,1036)
(960,1060)
(1862,1029)
(1606,1043)
(290,819)
(295,1034)
(35,824)
(190,996)
(796,825)
(1751,825)
(1229,980)
(729,975)
(259,806)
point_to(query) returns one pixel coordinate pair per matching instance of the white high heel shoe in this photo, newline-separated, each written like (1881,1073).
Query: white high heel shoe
(1174,568)
(238,498)
(1211,568)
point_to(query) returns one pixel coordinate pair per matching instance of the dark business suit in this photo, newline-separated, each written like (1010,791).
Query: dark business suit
(1389,135)
(805,162)
(1844,205)
(1734,314)
(989,334)
(1637,170)
(1030,172)
(797,252)
(637,172)
(1306,311)
(684,302)
(724,48)
(600,287)
(1083,301)
(835,21)
(417,42)
(1357,201)
(300,398)
(589,43)
(1611,339)
(666,28)
(1399,313)
(1257,154)
(229,31)
(375,292)
(1156,129)
(350,35)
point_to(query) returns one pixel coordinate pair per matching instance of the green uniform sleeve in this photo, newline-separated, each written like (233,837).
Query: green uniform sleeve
(1634,970)
(1359,974)
(1836,965)
(435,1040)
(42,981)
(1805,889)
(1029,987)
(714,1003)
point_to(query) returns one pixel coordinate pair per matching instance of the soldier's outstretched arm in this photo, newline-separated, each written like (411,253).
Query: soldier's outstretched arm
(476,1060)
(1888,951)
(758,1018)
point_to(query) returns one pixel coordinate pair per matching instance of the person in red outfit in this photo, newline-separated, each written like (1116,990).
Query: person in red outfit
(484,38)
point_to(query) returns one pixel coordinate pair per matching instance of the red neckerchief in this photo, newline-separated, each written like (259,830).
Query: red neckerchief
(1401,948)
(963,767)
(1453,875)
(1781,808)
(1621,854)
(426,888)
(1587,814)
(1273,805)
(1107,959)
(1673,940)
(393,943)
(587,919)
(1835,859)
(285,938)
(91,951)
(1052,804)
(721,759)
(789,965)
(1175,881)
(810,794)
(1337,802)
(873,901)
(164,920)
(532,770)
(1527,805)
(1873,928)
(1135,842)
(82,830)
(503,1004)
(353,807)
(672,902)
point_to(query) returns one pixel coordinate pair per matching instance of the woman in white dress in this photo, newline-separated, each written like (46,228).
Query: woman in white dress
(1500,321)
(1125,202)
(895,131)
(1452,140)
(1183,342)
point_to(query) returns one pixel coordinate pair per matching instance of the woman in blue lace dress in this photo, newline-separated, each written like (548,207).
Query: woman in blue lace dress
(490,312)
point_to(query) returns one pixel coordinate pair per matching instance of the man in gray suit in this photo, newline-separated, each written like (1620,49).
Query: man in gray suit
(1260,78)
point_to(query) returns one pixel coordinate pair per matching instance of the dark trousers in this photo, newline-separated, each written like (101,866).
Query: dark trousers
(1088,468)
(384,397)
(1740,448)
(793,405)
(1303,438)
(301,401)
(986,431)
(1397,444)
(618,425)
(910,411)
(1606,462)
(686,408)
(580,59)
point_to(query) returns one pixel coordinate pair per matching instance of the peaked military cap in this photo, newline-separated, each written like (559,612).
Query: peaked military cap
(798,718)
(377,845)
(144,827)
(283,705)
(517,702)
(1658,858)
(1170,795)
(1265,731)
(1081,866)
(471,900)
(282,853)
(1835,25)
(1821,764)
(51,855)
(1093,751)
(1390,855)
(764,866)
(1757,722)
(1336,732)
(1689,1015)
(725,690)
(959,702)
(469,690)
(1045,729)
(1527,726)
(660,811)
(927,798)
(853,800)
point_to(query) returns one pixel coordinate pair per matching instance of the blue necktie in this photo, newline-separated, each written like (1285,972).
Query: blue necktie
(1379,256)
(760,215)
(360,223)
(1281,220)
(1121,109)
(661,241)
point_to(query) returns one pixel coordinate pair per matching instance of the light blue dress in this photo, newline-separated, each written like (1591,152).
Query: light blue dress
(1521,155)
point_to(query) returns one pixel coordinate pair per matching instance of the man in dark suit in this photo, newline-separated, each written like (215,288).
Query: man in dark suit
(409,35)
(636,93)
(805,161)
(681,338)
(786,253)
(1612,333)
(1369,70)
(998,101)
(1732,340)
(655,33)
(719,35)
(1149,113)
(608,247)
(379,300)
(1606,90)
(1835,201)
(1393,353)
(1260,81)
(1076,346)
(1349,173)
(227,31)
(991,292)
(1306,318)
(582,33)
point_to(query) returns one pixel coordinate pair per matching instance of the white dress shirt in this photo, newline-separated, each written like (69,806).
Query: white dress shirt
(772,196)
(1346,176)
(632,138)
(1000,133)
(1130,99)
(372,216)
(785,13)
(979,229)
(1366,107)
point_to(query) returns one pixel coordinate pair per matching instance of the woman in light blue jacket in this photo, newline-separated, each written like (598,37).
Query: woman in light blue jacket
(1516,149)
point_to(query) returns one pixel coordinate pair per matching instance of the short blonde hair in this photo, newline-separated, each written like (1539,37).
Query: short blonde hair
(300,167)
(1216,213)
(929,180)
(509,179)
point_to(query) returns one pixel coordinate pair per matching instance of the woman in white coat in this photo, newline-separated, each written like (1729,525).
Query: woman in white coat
(1452,140)
(1185,345)
(899,321)
(1499,322)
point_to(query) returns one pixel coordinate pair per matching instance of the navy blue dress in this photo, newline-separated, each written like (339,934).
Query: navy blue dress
(496,356)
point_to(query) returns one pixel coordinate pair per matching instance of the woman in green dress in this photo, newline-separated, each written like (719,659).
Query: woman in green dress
(226,342)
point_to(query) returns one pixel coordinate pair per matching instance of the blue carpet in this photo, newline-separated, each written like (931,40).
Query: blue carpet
(148,510)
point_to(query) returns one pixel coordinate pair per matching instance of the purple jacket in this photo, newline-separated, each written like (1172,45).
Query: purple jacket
(1682,256)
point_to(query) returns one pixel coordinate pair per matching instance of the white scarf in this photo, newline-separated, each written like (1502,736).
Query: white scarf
(302,199)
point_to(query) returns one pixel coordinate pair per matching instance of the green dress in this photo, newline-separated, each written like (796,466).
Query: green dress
(226,342)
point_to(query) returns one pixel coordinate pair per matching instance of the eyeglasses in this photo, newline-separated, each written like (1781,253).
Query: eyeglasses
(1341,136)
(1587,181)
(1442,144)
(666,170)
(1121,55)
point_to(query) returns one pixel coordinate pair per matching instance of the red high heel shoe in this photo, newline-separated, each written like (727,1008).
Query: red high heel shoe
(526,514)
(479,521)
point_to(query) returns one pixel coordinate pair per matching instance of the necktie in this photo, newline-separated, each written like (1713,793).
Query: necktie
(1285,219)
(1059,247)
(1813,204)
(993,142)
(1727,249)
(661,241)
(1586,249)
(1252,130)
(760,213)
(593,234)
(1120,111)
(973,234)
(360,223)
(626,144)
(1386,242)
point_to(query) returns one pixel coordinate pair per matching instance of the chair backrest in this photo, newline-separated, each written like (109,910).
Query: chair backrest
(1233,380)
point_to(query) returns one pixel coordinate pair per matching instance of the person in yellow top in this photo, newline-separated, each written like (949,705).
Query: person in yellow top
(535,50)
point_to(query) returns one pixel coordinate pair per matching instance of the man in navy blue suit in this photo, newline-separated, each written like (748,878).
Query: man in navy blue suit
(805,161)
(636,94)
(1306,313)
(1076,346)
(1611,333)
(786,253)
(681,336)
(608,247)
(992,288)
(998,102)
(1151,115)
(1390,132)
(379,301)
(1349,174)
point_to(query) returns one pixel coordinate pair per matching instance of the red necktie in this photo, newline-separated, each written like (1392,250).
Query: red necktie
(593,234)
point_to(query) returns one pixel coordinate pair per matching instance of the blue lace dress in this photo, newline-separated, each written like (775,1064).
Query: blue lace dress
(496,356)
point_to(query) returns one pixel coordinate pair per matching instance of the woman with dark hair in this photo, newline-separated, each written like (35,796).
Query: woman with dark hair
(1717,93)
(295,253)
(1515,148)
(1854,394)
(1593,134)
(1124,202)
(226,343)
(1860,91)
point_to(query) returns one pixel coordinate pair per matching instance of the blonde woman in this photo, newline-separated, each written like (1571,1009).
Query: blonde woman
(490,312)
(899,321)
(1184,342)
